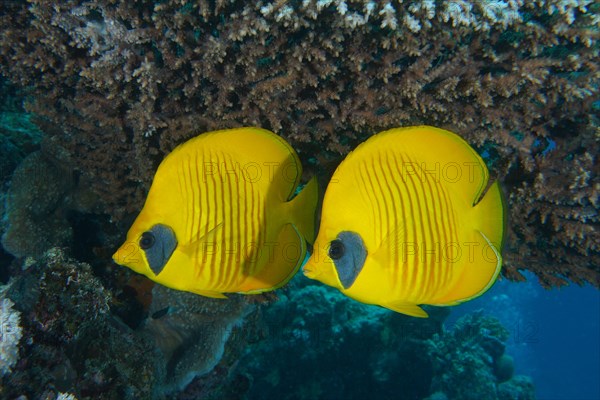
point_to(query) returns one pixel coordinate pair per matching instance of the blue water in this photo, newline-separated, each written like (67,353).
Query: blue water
(555,335)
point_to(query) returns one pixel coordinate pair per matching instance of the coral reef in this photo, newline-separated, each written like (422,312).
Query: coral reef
(18,135)
(191,331)
(323,335)
(473,351)
(10,335)
(34,218)
(119,84)
(74,343)
(337,348)
(44,191)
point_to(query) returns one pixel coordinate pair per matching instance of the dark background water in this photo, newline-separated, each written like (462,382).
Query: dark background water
(555,335)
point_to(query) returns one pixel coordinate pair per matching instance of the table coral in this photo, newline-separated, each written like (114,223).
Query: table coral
(119,84)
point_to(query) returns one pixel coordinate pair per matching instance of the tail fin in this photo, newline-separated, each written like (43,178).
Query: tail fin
(490,213)
(303,208)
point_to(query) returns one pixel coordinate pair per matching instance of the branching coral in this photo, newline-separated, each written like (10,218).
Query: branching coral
(119,84)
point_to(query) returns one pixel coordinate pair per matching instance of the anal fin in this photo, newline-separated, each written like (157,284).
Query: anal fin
(407,308)
(210,293)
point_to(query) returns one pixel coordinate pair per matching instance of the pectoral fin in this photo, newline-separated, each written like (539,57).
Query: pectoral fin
(206,243)
(285,256)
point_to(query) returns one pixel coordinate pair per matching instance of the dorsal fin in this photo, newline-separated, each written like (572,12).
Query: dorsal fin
(438,153)
(261,156)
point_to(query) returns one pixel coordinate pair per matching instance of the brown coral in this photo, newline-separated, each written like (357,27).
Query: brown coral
(119,84)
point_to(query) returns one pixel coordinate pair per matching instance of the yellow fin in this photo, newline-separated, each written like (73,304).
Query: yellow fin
(273,155)
(392,247)
(407,308)
(210,293)
(303,208)
(490,215)
(206,240)
(438,153)
(285,256)
(478,273)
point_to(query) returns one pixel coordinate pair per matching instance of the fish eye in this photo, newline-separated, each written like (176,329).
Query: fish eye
(336,249)
(147,240)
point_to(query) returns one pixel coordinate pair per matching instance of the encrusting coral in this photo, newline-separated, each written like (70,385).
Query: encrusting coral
(119,84)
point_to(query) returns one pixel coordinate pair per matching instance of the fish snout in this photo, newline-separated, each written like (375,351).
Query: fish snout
(128,255)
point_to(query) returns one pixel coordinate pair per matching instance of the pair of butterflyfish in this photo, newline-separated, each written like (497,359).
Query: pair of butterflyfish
(408,218)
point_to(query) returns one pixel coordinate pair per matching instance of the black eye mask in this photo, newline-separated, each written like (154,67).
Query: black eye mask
(158,243)
(348,253)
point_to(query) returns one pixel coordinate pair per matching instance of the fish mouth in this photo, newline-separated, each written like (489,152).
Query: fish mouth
(118,257)
(310,271)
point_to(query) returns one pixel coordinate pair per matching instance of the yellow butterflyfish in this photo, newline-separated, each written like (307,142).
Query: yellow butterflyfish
(407,221)
(221,216)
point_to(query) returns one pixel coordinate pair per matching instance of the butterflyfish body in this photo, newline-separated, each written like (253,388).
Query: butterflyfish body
(221,216)
(407,221)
